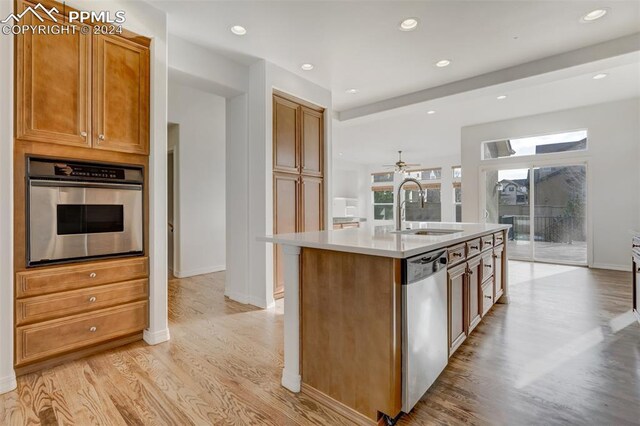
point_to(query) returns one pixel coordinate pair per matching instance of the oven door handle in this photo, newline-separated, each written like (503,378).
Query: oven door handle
(65,184)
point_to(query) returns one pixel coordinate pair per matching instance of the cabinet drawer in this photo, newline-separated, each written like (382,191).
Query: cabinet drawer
(62,278)
(487,266)
(498,238)
(58,305)
(456,254)
(487,297)
(486,242)
(473,247)
(38,341)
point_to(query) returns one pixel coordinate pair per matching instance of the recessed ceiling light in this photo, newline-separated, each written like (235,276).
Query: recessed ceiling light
(501,97)
(238,30)
(409,24)
(600,76)
(594,15)
(443,63)
(306,67)
(352,91)
(431,112)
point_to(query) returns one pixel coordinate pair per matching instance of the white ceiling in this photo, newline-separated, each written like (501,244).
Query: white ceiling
(357,44)
(426,138)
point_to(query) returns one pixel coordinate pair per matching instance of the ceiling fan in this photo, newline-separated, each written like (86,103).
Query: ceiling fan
(400,166)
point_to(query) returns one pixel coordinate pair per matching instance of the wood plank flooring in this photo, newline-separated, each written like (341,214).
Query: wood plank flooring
(565,351)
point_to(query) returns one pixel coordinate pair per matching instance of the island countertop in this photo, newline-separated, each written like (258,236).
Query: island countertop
(383,241)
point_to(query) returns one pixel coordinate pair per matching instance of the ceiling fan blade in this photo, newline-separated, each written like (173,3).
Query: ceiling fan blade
(412,164)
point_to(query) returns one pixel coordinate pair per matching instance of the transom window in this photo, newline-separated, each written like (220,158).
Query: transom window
(535,145)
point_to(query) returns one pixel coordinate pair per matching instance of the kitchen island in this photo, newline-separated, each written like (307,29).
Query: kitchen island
(344,323)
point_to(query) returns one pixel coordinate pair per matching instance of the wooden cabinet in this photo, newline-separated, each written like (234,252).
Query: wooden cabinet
(312,145)
(53,84)
(286,134)
(312,199)
(456,254)
(120,95)
(61,310)
(498,259)
(298,172)
(474,291)
(473,247)
(457,306)
(82,89)
(285,218)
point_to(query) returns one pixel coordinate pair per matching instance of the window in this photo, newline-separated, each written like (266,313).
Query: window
(382,203)
(382,177)
(425,174)
(431,212)
(456,172)
(536,145)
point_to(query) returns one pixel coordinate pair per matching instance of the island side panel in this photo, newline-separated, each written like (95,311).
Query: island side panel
(351,330)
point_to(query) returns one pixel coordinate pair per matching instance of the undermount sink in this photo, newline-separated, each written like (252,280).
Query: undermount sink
(435,231)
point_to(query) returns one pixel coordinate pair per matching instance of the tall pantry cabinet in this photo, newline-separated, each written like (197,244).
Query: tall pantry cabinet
(298,172)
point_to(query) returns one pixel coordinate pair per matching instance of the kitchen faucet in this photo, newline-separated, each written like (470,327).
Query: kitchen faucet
(399,204)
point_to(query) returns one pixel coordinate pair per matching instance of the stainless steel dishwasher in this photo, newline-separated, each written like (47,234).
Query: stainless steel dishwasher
(425,350)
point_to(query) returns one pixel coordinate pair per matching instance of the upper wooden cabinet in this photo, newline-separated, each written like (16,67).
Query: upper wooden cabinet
(312,146)
(121,95)
(286,134)
(82,89)
(298,135)
(53,84)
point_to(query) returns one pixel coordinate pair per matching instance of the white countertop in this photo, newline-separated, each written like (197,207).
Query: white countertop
(381,241)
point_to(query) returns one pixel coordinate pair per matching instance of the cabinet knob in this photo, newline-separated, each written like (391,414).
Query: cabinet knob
(92,299)
(92,275)
(470,272)
(93,329)
(101,137)
(83,134)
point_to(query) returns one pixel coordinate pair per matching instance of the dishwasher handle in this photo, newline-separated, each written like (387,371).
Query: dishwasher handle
(423,266)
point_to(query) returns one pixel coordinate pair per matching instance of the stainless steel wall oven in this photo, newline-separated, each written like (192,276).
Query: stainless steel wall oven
(79,211)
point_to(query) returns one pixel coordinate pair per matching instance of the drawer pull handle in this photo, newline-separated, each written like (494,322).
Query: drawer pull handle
(92,299)
(487,266)
(456,254)
(636,245)
(473,247)
(92,275)
(93,329)
(488,297)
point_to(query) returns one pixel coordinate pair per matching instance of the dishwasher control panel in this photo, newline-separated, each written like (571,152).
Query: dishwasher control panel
(422,266)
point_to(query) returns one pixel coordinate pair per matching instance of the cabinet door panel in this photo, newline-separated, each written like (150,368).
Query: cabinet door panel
(53,75)
(286,124)
(312,142)
(474,292)
(457,304)
(498,268)
(312,213)
(121,95)
(285,219)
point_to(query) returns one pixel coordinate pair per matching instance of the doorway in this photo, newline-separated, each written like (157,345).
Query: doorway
(546,208)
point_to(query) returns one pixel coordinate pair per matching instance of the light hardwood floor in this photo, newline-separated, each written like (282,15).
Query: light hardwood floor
(565,351)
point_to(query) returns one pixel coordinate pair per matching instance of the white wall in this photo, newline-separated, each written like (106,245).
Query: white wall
(612,167)
(145,20)
(200,220)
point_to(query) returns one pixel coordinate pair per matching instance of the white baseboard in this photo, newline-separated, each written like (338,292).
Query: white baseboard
(156,337)
(259,302)
(613,267)
(8,383)
(199,271)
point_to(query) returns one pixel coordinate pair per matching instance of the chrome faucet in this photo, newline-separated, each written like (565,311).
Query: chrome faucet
(399,204)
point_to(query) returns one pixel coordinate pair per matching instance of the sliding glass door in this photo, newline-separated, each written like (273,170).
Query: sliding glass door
(545,207)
